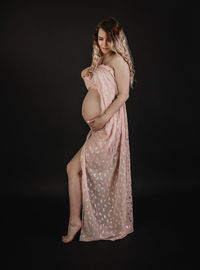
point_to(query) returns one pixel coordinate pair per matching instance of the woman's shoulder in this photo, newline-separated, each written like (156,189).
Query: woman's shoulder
(118,60)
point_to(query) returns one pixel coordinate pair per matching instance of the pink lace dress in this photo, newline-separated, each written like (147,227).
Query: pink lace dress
(107,207)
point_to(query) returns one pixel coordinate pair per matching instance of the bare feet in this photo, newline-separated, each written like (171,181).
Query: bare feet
(73,228)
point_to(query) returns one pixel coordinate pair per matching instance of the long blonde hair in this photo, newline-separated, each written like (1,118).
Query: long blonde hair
(119,45)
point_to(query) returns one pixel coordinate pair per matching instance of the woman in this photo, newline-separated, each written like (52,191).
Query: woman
(99,175)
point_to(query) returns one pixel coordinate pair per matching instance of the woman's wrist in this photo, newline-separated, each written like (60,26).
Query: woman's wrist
(105,115)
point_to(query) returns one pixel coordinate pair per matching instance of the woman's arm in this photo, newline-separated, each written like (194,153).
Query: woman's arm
(122,75)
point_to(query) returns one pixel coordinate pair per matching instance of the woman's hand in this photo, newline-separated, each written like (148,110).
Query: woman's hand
(97,122)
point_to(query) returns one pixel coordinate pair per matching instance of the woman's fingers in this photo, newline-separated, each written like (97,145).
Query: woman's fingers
(90,121)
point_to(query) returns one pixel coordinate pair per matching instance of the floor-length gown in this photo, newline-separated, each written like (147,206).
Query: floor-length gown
(107,205)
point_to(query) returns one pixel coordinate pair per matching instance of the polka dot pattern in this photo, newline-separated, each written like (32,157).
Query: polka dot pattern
(107,205)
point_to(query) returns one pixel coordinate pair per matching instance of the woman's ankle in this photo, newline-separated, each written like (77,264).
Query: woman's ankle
(74,220)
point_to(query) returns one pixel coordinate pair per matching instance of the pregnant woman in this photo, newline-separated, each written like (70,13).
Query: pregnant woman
(99,175)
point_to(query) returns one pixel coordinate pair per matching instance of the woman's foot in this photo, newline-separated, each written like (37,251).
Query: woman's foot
(73,228)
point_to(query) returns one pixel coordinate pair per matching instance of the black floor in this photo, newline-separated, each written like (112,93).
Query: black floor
(165,235)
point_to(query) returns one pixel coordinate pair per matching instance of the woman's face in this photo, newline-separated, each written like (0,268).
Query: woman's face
(103,42)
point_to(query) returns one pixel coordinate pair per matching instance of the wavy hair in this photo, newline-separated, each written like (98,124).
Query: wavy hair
(119,45)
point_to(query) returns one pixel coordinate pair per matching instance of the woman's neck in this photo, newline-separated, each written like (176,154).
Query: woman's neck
(106,57)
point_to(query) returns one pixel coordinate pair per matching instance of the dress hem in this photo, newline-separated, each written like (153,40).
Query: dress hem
(111,239)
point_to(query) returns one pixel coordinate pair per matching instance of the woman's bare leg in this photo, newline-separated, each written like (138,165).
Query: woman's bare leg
(75,197)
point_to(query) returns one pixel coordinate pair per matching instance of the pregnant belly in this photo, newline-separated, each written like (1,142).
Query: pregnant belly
(91,105)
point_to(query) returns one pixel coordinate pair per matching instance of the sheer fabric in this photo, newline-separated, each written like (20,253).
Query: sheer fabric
(107,205)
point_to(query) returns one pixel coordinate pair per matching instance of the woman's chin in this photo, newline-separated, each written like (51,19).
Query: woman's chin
(105,51)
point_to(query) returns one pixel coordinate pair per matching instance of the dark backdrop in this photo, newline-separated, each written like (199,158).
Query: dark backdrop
(44,47)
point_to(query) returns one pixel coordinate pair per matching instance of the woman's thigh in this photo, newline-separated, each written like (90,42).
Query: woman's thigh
(74,165)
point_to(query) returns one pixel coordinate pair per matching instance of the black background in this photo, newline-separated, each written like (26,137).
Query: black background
(44,47)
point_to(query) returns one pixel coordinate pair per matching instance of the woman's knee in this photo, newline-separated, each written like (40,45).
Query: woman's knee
(73,169)
(68,167)
(74,166)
